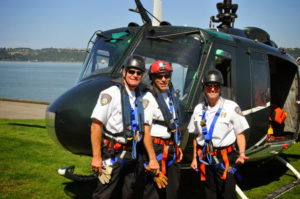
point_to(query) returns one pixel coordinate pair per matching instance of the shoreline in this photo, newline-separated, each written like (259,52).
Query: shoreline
(24,100)
(66,62)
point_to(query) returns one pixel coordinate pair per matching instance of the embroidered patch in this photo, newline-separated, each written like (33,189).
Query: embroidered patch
(145,103)
(105,99)
(223,114)
(238,111)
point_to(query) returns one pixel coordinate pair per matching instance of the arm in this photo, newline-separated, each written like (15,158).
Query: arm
(153,163)
(96,136)
(194,161)
(241,142)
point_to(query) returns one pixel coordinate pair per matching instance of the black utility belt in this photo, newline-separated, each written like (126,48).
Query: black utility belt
(159,122)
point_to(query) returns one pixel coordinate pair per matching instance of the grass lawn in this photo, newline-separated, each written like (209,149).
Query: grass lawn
(29,160)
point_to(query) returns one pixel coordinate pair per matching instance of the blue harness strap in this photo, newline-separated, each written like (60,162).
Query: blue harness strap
(208,134)
(159,157)
(110,161)
(137,121)
(133,117)
(173,114)
(234,171)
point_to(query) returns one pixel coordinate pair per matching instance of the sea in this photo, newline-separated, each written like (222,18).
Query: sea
(39,81)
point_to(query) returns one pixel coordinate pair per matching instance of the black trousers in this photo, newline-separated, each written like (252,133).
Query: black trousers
(217,188)
(127,178)
(151,190)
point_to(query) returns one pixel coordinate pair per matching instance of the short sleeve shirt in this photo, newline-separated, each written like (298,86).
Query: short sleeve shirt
(229,124)
(108,110)
(152,112)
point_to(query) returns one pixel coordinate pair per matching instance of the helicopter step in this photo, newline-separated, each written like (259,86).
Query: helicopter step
(68,172)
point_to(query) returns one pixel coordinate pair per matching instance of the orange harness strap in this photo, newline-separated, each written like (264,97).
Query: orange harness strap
(177,153)
(165,143)
(226,161)
(169,143)
(163,160)
(117,146)
(224,153)
(201,166)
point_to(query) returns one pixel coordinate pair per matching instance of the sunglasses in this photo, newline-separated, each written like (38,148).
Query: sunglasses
(162,76)
(132,72)
(210,87)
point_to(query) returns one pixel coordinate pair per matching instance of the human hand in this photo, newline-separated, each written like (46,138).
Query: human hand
(96,165)
(154,167)
(160,179)
(194,164)
(241,159)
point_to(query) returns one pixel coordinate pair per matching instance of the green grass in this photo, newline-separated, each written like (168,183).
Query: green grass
(263,178)
(29,160)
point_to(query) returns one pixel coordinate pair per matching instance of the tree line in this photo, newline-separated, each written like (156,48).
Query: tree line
(67,55)
(42,55)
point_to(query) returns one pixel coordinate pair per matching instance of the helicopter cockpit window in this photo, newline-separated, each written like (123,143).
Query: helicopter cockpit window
(223,61)
(106,52)
(183,51)
(260,79)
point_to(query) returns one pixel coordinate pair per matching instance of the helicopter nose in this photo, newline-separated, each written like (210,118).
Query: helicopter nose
(68,117)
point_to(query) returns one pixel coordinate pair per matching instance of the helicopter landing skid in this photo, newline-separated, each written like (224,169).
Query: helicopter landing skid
(287,187)
(68,172)
(288,165)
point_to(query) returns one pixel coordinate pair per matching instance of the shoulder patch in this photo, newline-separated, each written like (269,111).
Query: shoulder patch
(145,103)
(238,111)
(105,99)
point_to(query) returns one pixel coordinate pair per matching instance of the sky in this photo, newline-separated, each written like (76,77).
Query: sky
(40,24)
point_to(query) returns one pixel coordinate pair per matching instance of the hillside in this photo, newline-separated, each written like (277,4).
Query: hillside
(65,54)
(42,55)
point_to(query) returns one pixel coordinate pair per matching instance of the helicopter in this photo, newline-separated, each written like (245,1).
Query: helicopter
(257,75)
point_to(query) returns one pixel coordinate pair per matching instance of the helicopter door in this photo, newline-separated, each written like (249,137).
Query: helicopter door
(260,92)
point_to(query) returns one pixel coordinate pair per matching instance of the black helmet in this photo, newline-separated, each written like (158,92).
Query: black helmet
(213,76)
(135,61)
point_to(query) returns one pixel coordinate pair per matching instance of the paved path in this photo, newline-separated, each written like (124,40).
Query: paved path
(22,109)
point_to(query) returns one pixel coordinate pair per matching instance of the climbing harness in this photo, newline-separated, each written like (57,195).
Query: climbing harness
(207,149)
(163,156)
(169,115)
(133,118)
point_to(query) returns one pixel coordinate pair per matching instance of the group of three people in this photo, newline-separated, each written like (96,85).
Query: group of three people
(134,130)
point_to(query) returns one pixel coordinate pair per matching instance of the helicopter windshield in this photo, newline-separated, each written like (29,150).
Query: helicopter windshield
(108,48)
(182,50)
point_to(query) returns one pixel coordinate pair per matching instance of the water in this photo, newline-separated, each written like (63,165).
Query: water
(42,81)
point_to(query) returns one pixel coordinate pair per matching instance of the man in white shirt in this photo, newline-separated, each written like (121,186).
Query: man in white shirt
(162,119)
(116,132)
(217,123)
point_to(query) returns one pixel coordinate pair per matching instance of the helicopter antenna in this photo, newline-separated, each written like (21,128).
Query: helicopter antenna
(142,11)
(226,14)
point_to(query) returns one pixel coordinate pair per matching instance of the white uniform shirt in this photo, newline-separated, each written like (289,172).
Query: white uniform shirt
(108,110)
(230,123)
(153,112)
